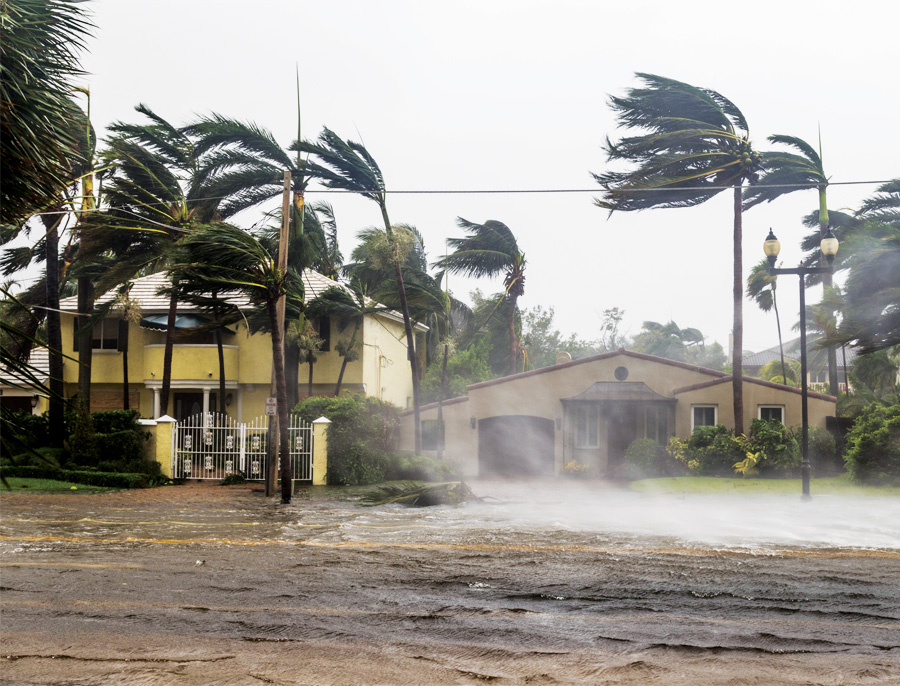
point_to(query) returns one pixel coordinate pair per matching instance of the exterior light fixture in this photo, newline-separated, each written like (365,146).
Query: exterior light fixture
(829,247)
(473,422)
(35,399)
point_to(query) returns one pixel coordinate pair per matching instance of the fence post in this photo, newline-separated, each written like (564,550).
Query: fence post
(159,448)
(320,451)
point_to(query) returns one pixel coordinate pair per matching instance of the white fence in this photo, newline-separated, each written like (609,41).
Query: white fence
(212,446)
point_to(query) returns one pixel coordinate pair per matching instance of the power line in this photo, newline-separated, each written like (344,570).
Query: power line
(506,191)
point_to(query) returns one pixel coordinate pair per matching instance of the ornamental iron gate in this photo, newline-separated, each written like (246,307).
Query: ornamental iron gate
(213,446)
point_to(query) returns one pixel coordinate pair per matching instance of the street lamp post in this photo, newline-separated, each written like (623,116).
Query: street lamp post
(829,247)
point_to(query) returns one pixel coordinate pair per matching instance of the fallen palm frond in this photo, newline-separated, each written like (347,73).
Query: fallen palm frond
(417,494)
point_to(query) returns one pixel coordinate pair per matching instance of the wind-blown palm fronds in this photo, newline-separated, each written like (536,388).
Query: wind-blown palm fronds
(694,143)
(416,494)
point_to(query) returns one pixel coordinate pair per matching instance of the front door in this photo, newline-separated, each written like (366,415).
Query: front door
(190,404)
(621,430)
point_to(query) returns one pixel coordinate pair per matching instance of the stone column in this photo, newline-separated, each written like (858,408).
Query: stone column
(320,451)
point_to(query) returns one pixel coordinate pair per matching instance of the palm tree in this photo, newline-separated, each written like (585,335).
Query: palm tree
(761,287)
(696,143)
(223,257)
(347,165)
(490,249)
(786,172)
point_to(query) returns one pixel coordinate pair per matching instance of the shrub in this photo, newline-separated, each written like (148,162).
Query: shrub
(115,421)
(873,453)
(777,448)
(643,459)
(711,450)
(107,479)
(121,446)
(362,436)
(402,467)
(83,439)
(823,451)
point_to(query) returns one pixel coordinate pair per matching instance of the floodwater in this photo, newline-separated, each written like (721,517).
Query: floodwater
(537,583)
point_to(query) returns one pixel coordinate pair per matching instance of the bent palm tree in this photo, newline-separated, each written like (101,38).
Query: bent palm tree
(784,173)
(223,257)
(696,143)
(347,165)
(761,287)
(491,249)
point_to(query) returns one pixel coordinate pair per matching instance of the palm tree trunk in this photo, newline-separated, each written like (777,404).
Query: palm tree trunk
(281,398)
(780,344)
(827,282)
(737,355)
(167,354)
(410,339)
(511,325)
(54,333)
(85,340)
(292,371)
(220,405)
(440,409)
(337,390)
(126,401)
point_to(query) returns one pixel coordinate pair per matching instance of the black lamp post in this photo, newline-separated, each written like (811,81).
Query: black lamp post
(829,247)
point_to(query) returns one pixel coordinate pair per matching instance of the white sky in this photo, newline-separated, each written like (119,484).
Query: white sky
(509,94)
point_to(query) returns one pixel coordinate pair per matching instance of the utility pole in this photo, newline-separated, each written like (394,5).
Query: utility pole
(274,429)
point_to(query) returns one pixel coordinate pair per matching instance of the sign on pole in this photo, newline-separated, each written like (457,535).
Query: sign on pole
(271,407)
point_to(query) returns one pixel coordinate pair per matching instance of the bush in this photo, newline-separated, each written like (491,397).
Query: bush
(711,450)
(362,437)
(121,446)
(873,453)
(778,448)
(642,459)
(83,439)
(46,457)
(106,479)
(823,451)
(115,421)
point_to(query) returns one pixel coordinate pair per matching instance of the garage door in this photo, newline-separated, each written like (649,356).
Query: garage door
(515,445)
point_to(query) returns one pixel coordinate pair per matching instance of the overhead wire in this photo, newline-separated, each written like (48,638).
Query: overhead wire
(503,191)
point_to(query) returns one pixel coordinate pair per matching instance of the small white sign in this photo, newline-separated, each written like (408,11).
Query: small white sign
(271,407)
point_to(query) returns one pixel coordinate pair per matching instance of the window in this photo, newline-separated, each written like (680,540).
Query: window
(703,415)
(769,412)
(105,336)
(656,424)
(432,434)
(587,433)
(323,330)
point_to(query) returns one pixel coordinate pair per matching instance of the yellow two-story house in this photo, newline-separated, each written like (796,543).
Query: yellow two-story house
(382,370)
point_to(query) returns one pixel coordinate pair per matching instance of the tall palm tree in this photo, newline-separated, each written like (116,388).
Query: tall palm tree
(491,249)
(223,257)
(761,287)
(694,144)
(348,165)
(786,172)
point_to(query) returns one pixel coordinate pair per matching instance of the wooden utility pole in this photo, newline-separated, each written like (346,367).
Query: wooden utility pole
(274,429)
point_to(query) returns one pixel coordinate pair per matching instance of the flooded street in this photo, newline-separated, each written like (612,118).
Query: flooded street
(536,584)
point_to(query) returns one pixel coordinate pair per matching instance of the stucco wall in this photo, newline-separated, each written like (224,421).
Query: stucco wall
(461,441)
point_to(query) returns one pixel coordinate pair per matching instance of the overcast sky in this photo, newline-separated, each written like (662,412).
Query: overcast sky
(511,95)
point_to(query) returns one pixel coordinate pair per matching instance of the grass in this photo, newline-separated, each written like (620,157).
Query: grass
(22,485)
(836,485)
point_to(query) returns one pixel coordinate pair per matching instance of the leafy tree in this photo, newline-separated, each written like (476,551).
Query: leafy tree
(464,368)
(491,249)
(611,339)
(873,446)
(695,144)
(542,342)
(223,256)
(674,343)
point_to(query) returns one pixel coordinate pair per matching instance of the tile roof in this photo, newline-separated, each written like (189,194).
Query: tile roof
(792,351)
(39,359)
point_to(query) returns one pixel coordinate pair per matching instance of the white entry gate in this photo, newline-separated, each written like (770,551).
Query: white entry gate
(213,445)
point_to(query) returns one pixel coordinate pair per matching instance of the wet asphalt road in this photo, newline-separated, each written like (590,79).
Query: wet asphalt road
(202,584)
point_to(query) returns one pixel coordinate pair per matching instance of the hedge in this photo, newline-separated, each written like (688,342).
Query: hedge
(106,479)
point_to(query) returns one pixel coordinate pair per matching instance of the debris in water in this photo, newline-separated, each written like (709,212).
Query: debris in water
(416,494)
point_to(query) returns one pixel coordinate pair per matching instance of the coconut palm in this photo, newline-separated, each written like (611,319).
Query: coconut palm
(786,172)
(491,249)
(348,165)
(223,257)
(694,144)
(761,287)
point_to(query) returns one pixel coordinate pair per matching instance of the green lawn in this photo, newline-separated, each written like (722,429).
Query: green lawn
(18,484)
(837,485)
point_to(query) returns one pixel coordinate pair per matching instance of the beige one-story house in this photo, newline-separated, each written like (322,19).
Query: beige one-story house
(590,410)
